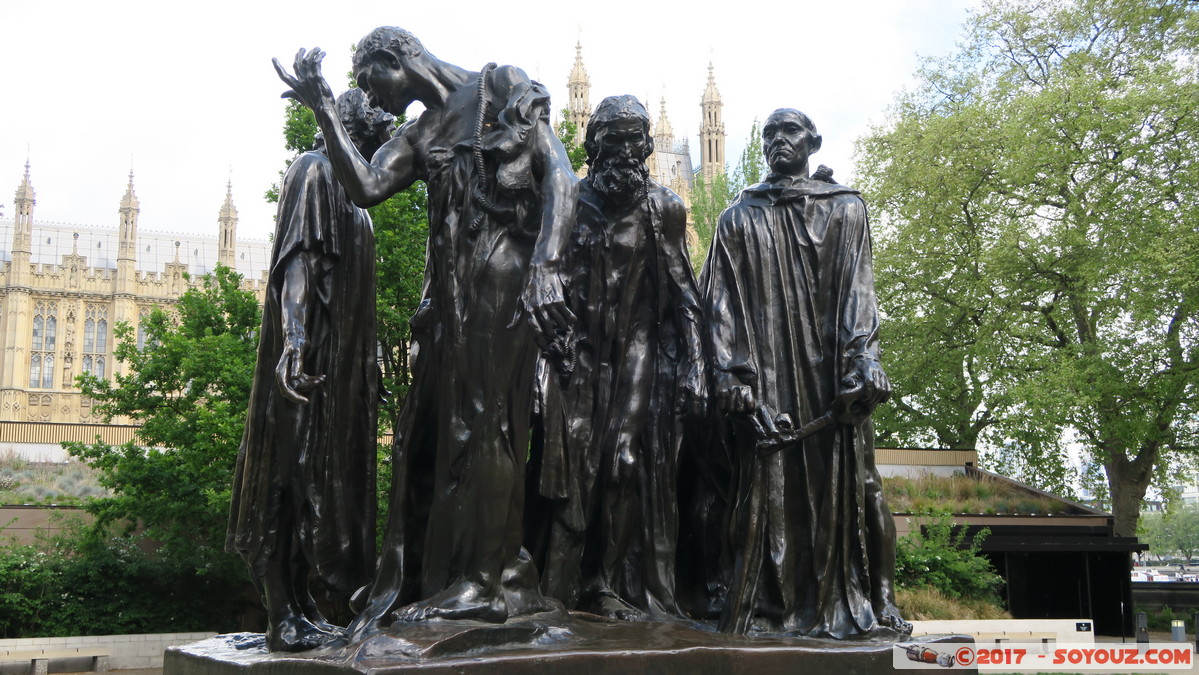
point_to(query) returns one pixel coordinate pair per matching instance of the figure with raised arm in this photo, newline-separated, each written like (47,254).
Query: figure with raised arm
(501,205)
(789,293)
(304,488)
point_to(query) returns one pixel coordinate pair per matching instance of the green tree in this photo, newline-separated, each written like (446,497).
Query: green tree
(710,197)
(942,313)
(299,128)
(1175,532)
(1037,202)
(188,388)
(751,166)
(568,133)
(1150,531)
(299,135)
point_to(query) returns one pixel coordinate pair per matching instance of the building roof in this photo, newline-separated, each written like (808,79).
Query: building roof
(674,162)
(977,492)
(52,241)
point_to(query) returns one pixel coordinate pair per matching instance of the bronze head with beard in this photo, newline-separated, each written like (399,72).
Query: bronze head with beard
(618,143)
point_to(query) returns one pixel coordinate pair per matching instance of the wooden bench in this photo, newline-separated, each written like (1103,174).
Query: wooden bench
(39,659)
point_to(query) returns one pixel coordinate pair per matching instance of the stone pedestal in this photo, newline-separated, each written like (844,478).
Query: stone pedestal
(544,644)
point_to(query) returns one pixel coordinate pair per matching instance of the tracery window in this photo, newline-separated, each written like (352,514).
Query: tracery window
(45,335)
(143,320)
(95,339)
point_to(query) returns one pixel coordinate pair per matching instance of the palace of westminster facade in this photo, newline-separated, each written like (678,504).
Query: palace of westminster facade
(65,287)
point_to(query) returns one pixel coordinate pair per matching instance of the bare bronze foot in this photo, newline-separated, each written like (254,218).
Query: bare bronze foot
(522,593)
(464,600)
(361,628)
(315,617)
(294,633)
(890,618)
(608,604)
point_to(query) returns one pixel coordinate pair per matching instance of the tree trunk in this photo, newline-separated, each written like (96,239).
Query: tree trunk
(1128,480)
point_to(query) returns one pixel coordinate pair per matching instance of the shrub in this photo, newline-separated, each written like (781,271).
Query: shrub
(942,557)
(26,581)
(81,583)
(1160,620)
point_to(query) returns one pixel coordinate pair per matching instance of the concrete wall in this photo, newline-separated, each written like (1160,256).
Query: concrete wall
(1181,597)
(23,522)
(36,452)
(914,462)
(128,651)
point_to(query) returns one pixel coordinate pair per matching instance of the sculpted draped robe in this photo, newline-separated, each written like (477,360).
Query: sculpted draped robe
(608,466)
(463,435)
(308,470)
(789,292)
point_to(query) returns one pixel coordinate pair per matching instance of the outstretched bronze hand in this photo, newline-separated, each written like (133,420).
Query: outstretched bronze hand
(308,85)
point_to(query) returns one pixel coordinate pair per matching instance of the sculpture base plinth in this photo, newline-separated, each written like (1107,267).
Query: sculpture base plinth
(547,643)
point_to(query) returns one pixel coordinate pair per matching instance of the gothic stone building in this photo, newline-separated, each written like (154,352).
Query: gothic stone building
(671,163)
(63,289)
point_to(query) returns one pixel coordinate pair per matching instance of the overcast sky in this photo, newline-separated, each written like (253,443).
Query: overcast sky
(184,93)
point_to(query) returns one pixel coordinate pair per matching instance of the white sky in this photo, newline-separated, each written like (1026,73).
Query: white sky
(185,92)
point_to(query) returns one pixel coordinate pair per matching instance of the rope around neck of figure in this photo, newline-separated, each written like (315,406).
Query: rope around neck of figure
(479,189)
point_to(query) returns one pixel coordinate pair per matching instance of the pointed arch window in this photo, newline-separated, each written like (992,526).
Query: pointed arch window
(45,336)
(35,370)
(143,318)
(95,339)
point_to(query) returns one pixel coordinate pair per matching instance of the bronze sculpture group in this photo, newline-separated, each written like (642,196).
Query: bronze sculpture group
(568,369)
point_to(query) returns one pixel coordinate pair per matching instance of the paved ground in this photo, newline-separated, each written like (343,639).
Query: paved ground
(1155,637)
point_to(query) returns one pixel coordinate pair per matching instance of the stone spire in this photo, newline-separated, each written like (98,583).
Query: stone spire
(16,304)
(228,236)
(579,87)
(22,236)
(130,208)
(127,243)
(663,133)
(711,132)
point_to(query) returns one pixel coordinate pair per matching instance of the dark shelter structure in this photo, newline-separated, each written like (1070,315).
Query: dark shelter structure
(1062,566)
(1059,559)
